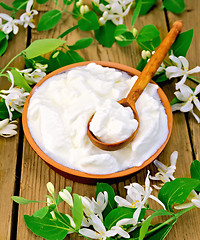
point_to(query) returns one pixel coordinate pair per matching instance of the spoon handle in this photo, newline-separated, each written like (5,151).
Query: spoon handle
(154,63)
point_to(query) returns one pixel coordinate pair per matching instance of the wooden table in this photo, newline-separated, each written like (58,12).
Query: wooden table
(23,173)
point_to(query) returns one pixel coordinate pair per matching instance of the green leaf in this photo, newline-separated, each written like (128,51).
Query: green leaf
(175,6)
(42,46)
(125,39)
(182,43)
(174,101)
(80,44)
(49,20)
(42,212)
(20,81)
(142,63)
(4,111)
(195,172)
(77,211)
(146,223)
(149,38)
(101,187)
(22,200)
(105,34)
(30,63)
(89,21)
(68,31)
(161,233)
(136,11)
(73,57)
(3,43)
(120,213)
(41,1)
(59,61)
(20,4)
(177,191)
(47,227)
(68,2)
(146,6)
(120,29)
(6,7)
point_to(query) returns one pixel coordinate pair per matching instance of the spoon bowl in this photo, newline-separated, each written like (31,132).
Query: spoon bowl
(139,86)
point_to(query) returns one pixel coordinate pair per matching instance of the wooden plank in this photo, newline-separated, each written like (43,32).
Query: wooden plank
(35,173)
(9,146)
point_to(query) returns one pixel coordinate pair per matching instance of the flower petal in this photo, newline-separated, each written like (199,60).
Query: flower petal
(177,106)
(197,90)
(89,233)
(194,70)
(196,202)
(196,117)
(173,158)
(188,106)
(184,62)
(184,205)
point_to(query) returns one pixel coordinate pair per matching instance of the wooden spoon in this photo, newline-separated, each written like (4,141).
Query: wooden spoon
(139,86)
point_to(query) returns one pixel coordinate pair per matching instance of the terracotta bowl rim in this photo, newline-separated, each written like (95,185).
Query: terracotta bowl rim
(77,173)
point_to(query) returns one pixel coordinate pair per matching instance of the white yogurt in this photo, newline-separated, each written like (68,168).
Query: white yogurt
(112,122)
(60,108)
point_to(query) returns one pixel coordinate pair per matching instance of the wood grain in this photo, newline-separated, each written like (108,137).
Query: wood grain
(35,173)
(9,146)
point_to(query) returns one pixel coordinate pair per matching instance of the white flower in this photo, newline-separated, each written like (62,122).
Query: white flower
(15,97)
(188,98)
(42,67)
(194,199)
(84,9)
(136,197)
(120,231)
(49,203)
(67,197)
(100,230)
(95,207)
(115,11)
(182,69)
(27,17)
(11,24)
(165,173)
(50,188)
(35,76)
(7,128)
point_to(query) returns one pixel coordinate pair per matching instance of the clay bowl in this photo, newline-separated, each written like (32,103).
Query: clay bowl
(82,176)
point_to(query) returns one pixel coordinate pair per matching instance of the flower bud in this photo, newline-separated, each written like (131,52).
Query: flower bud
(50,188)
(135,32)
(66,196)
(148,54)
(143,54)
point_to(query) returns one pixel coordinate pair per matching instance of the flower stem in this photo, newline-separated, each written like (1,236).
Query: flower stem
(171,219)
(193,79)
(20,54)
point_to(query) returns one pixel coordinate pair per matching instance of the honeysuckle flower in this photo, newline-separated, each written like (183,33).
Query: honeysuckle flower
(7,129)
(188,98)
(115,11)
(50,188)
(27,17)
(42,67)
(120,231)
(136,197)
(181,69)
(11,24)
(99,231)
(49,203)
(14,97)
(84,9)
(145,54)
(165,173)
(67,197)
(194,199)
(95,207)
(33,77)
